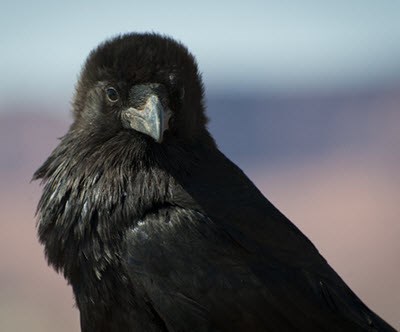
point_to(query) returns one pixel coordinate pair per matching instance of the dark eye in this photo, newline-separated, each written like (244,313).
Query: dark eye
(112,94)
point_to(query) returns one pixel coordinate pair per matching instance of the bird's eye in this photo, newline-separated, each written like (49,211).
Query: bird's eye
(112,94)
(172,78)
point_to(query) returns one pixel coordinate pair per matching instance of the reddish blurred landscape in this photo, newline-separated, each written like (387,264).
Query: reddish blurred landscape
(330,163)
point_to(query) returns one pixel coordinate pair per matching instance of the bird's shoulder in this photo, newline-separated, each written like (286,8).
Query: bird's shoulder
(194,274)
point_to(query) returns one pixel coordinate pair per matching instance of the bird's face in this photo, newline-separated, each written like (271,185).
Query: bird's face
(140,84)
(144,108)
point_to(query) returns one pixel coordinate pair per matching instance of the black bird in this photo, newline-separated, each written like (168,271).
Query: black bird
(156,230)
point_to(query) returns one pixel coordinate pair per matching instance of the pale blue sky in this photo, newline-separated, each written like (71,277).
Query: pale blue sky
(271,46)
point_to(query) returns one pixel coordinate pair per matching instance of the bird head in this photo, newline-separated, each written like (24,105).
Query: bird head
(143,85)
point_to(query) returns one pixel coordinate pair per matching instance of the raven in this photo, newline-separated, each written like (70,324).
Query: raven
(156,230)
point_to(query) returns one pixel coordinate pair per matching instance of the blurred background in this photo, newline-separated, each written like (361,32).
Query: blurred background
(303,96)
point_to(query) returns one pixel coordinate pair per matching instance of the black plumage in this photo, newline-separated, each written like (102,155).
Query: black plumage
(156,230)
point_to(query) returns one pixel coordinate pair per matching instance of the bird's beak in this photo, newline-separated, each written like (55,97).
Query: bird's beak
(151,120)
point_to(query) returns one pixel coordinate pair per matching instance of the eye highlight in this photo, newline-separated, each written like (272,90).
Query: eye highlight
(112,94)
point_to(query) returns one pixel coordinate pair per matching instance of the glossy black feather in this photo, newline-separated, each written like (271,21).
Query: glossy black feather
(173,236)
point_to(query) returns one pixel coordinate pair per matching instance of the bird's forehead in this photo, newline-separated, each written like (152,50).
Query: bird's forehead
(135,59)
